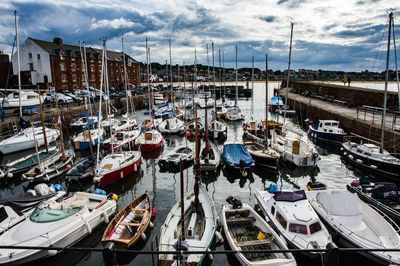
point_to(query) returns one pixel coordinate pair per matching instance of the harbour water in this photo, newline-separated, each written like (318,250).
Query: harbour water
(164,188)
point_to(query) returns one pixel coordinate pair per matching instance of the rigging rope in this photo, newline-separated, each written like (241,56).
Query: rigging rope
(380,44)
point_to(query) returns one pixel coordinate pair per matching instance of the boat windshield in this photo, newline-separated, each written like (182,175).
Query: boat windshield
(298,228)
(43,214)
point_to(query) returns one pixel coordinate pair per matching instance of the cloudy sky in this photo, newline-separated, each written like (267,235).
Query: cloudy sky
(347,35)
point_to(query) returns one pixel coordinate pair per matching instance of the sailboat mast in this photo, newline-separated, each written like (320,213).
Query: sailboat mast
(266,100)
(288,74)
(87,79)
(184,96)
(395,60)
(151,91)
(196,163)
(107,92)
(18,64)
(182,203)
(386,84)
(219,74)
(252,87)
(236,93)
(101,93)
(215,92)
(195,75)
(125,78)
(148,76)
(223,71)
(46,144)
(172,78)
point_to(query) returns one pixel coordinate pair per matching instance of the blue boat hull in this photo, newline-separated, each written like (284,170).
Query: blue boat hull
(326,136)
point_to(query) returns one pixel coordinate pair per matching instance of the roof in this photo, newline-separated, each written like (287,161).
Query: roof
(74,51)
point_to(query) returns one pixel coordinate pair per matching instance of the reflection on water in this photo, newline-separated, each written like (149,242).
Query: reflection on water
(164,187)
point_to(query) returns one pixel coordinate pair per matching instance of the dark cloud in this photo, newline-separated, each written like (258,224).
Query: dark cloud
(363,32)
(268,18)
(281,1)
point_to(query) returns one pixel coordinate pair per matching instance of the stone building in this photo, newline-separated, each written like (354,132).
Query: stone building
(57,64)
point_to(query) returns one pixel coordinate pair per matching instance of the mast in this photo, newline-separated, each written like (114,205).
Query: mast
(215,92)
(18,63)
(223,71)
(151,91)
(196,164)
(252,87)
(46,144)
(288,74)
(266,99)
(148,78)
(125,79)
(386,84)
(395,60)
(184,96)
(101,93)
(236,93)
(63,157)
(87,80)
(182,202)
(208,64)
(219,75)
(107,91)
(195,75)
(172,87)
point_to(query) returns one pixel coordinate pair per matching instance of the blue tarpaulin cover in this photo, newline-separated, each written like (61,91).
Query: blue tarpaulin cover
(234,152)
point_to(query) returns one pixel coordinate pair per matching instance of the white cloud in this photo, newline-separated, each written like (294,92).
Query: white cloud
(114,24)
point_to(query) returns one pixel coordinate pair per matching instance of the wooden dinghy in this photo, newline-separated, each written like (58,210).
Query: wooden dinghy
(246,230)
(129,224)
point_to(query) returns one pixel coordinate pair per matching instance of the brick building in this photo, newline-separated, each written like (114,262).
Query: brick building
(60,65)
(4,66)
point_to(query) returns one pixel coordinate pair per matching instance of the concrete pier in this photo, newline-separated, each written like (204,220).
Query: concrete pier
(354,110)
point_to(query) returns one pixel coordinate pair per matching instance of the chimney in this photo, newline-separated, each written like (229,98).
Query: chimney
(58,41)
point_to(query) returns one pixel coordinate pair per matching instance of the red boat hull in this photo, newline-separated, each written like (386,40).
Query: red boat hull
(119,174)
(147,147)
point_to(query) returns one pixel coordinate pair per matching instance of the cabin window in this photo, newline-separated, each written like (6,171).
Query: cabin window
(330,131)
(281,220)
(327,124)
(359,151)
(298,228)
(31,97)
(325,130)
(335,124)
(315,227)
(367,153)
(3,214)
(272,210)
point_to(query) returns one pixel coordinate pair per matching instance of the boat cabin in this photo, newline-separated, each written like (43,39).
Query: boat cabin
(328,126)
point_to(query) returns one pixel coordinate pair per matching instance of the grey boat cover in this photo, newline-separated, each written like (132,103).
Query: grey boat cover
(25,201)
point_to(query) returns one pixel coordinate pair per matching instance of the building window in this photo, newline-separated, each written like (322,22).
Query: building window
(83,78)
(38,56)
(92,77)
(92,68)
(73,67)
(65,87)
(61,56)
(31,66)
(74,78)
(64,78)
(30,55)
(62,67)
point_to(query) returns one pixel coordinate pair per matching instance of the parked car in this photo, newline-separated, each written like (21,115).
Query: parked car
(62,98)
(48,98)
(75,98)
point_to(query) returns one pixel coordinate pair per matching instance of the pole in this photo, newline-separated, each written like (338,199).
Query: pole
(184,93)
(395,60)
(18,63)
(288,74)
(219,74)
(386,84)
(46,144)
(182,203)
(252,87)
(236,67)
(172,78)
(215,92)
(266,100)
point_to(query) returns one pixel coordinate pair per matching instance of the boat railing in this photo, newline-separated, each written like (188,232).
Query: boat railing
(387,218)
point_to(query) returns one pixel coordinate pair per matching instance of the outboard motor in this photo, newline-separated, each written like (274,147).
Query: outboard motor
(242,165)
(236,203)
(315,186)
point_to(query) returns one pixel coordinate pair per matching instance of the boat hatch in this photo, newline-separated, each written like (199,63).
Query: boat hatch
(301,216)
(192,225)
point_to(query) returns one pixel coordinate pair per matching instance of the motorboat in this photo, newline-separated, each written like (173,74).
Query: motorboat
(356,224)
(237,158)
(293,218)
(276,104)
(210,157)
(82,168)
(124,140)
(149,141)
(246,230)
(21,165)
(199,231)
(217,130)
(171,160)
(326,130)
(44,173)
(82,139)
(234,114)
(369,156)
(56,223)
(171,125)
(191,127)
(15,209)
(82,122)
(28,99)
(294,147)
(116,166)
(262,154)
(384,196)
(130,223)
(159,99)
(25,139)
